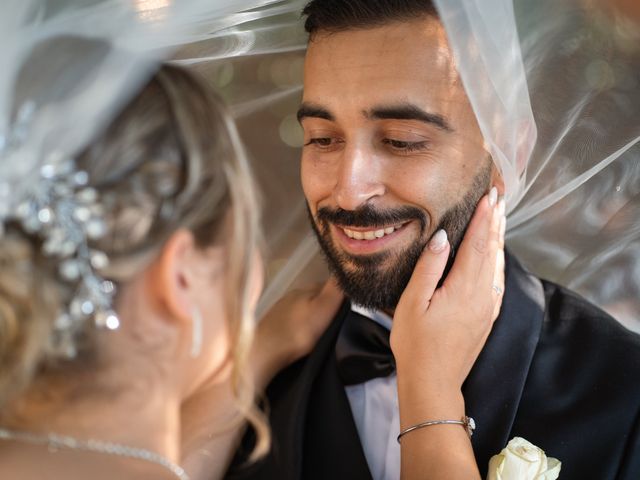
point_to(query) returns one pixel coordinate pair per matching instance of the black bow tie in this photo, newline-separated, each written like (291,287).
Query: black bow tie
(362,350)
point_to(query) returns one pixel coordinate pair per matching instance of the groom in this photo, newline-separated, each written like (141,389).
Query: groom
(390,138)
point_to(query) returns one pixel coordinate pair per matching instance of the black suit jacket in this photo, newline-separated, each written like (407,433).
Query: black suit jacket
(555,370)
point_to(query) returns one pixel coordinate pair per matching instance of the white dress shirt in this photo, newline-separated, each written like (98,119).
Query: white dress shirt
(374,405)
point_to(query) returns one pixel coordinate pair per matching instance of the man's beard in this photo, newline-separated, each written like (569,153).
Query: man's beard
(361,277)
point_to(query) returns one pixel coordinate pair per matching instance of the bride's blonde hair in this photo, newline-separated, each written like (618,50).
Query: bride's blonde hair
(172,159)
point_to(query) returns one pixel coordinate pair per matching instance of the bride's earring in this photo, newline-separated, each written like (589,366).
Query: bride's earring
(196,332)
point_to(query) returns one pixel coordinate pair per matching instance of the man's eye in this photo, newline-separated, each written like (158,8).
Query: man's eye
(405,146)
(323,142)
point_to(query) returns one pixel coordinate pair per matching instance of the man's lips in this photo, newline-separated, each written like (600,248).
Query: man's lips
(365,240)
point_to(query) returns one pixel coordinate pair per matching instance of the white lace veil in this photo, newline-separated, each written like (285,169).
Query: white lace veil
(555,86)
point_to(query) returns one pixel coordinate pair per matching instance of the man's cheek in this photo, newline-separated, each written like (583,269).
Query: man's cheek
(309,189)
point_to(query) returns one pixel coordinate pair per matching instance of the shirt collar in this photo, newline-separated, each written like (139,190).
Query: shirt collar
(377,316)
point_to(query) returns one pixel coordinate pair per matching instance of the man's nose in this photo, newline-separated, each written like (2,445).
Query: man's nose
(359,178)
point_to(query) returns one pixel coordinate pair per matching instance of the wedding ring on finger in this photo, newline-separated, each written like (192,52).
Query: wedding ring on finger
(497,289)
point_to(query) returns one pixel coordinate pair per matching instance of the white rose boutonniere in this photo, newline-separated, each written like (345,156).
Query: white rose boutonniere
(522,460)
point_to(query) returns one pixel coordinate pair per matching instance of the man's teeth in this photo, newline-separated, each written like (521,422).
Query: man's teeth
(370,234)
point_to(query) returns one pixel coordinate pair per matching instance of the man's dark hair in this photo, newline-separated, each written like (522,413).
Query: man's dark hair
(338,15)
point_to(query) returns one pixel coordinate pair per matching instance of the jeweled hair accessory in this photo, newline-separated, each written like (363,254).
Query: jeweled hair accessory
(63,212)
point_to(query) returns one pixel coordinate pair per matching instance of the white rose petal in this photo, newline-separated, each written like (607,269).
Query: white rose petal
(522,460)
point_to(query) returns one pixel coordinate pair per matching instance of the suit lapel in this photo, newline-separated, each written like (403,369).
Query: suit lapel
(332,447)
(494,387)
(311,418)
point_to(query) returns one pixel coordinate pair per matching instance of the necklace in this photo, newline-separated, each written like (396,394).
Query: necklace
(55,441)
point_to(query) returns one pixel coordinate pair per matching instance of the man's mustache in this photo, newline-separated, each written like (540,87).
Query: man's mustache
(368,216)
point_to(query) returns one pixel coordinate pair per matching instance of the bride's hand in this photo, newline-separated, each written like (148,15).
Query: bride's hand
(437,336)
(210,419)
(291,328)
(438,333)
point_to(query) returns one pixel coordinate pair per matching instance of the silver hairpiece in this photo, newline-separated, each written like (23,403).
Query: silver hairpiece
(65,214)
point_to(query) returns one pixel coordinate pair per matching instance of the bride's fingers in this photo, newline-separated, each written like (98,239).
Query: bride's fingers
(498,278)
(477,248)
(427,272)
(490,276)
(490,282)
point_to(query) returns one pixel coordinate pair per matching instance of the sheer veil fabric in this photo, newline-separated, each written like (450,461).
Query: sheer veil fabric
(68,66)
(555,86)
(556,91)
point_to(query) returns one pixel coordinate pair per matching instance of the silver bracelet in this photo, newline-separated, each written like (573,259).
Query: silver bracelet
(467,422)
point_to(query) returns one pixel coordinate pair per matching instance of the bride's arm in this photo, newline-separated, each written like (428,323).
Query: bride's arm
(211,424)
(436,337)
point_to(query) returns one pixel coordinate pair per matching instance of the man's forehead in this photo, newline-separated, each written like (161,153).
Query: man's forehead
(411,42)
(408,57)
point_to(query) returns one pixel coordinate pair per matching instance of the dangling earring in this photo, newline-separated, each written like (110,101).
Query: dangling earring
(196,332)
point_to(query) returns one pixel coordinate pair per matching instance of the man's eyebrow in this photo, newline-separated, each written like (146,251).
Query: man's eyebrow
(315,111)
(408,111)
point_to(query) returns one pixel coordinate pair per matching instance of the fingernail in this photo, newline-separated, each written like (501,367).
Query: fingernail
(438,242)
(493,196)
(502,207)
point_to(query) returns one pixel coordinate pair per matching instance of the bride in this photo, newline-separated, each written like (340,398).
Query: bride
(173,191)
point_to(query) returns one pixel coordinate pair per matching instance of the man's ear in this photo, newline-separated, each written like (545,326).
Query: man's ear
(170,278)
